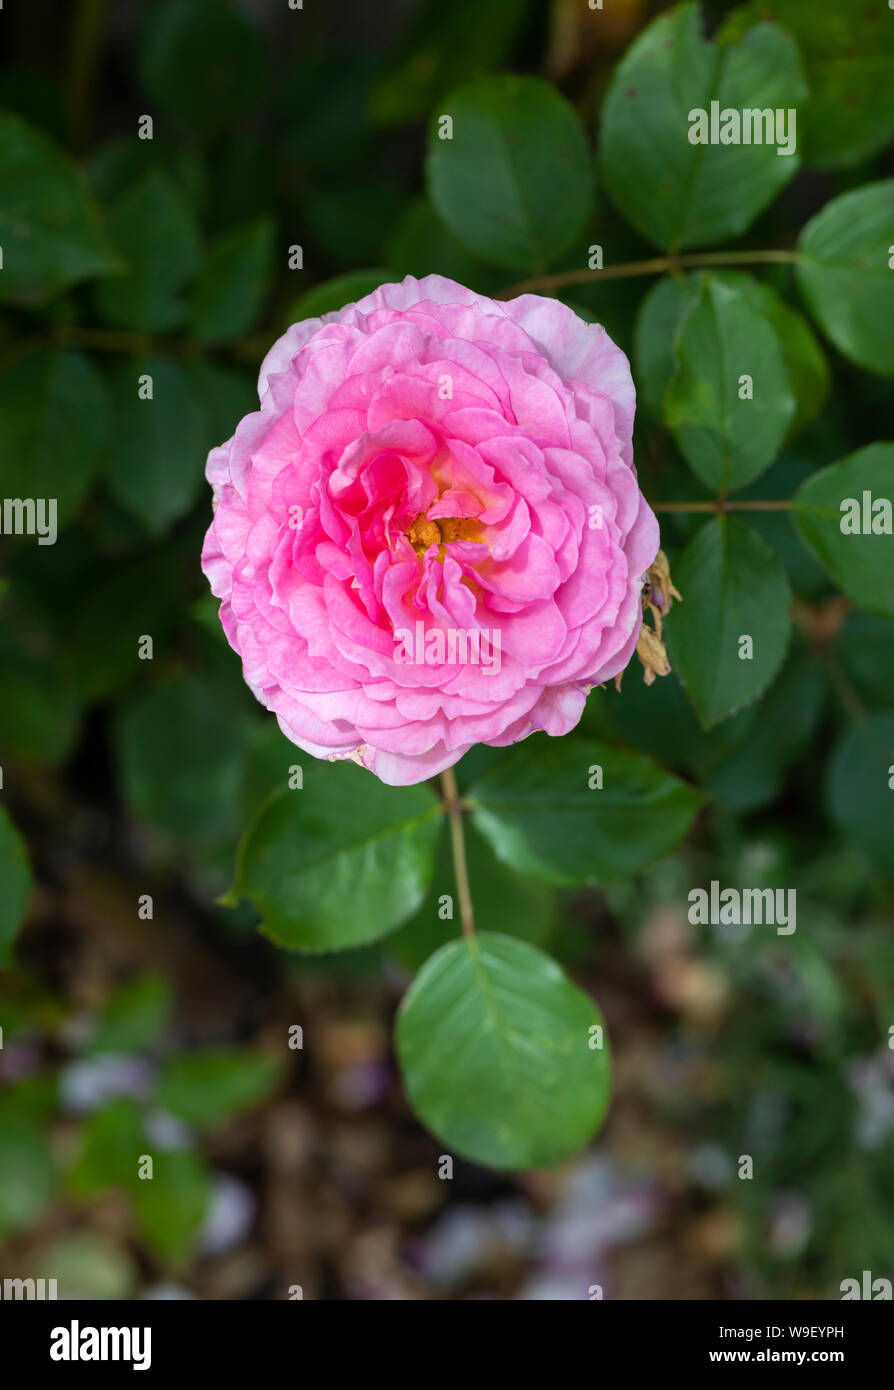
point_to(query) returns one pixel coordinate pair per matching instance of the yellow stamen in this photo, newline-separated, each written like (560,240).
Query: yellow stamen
(425,532)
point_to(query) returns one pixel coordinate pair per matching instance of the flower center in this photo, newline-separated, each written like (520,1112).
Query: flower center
(425,532)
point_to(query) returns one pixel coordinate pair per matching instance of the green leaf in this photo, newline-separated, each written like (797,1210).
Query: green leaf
(55,428)
(15,876)
(200,61)
(502,899)
(805,573)
(664,309)
(727,440)
(494,1046)
(88,1267)
(134,1017)
(270,757)
(848,55)
(540,815)
(673,192)
(777,733)
(660,314)
(341,861)
(335,294)
(860,786)
(741,763)
(27,1175)
(154,228)
(733,586)
(38,712)
(157,466)
(657,719)
(805,361)
(121,162)
(515,181)
(171,1205)
(860,563)
(112,1142)
(209,1088)
(865,647)
(229,294)
(181,753)
(49,229)
(844,274)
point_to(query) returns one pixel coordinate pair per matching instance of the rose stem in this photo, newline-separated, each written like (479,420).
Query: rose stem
(453,806)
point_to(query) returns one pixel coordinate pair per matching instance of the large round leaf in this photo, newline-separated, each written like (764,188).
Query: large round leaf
(544,813)
(501,1054)
(674,192)
(340,861)
(514,182)
(845,275)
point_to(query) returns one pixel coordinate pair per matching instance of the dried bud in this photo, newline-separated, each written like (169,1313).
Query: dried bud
(658,596)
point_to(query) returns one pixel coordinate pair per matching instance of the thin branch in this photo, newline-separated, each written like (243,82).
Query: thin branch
(720,505)
(453,807)
(847,694)
(657,266)
(75,335)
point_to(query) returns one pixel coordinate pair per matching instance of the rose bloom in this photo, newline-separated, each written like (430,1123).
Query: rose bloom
(431,535)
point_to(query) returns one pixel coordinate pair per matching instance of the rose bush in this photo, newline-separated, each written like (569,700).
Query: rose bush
(430,533)
(431,456)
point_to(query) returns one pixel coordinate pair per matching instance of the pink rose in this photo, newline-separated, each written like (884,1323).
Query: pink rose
(431,534)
